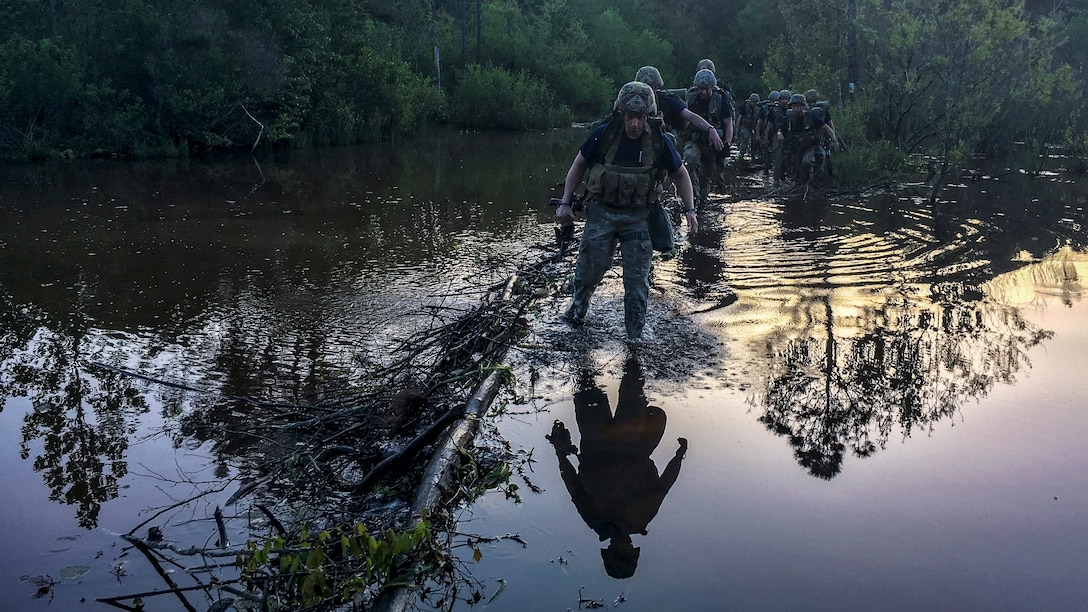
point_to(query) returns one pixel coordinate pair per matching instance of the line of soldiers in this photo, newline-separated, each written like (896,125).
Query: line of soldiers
(793,134)
(700,121)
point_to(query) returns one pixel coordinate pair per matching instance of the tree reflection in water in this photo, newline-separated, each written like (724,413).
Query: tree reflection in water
(78,424)
(910,367)
(616,487)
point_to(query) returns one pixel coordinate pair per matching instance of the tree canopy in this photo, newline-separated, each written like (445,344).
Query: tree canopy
(165,77)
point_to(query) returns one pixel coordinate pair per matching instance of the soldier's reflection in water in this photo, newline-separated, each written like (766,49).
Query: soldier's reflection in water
(616,487)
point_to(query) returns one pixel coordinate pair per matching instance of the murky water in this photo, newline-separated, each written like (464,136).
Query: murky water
(891,418)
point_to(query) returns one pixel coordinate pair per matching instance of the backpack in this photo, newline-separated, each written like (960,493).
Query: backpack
(675,122)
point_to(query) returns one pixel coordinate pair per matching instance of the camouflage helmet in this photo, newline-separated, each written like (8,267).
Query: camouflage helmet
(636,97)
(650,76)
(704,78)
(754,98)
(705,64)
(773,97)
(797,99)
(812,96)
(785,93)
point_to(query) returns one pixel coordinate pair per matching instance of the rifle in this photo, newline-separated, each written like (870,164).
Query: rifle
(564,230)
(827,160)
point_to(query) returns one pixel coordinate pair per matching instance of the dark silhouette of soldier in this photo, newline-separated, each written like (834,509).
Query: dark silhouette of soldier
(616,487)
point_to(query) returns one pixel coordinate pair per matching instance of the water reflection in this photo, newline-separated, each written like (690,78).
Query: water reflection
(908,369)
(79,425)
(235,278)
(266,280)
(616,486)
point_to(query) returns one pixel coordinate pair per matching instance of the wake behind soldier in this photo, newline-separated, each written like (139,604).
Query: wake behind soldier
(624,164)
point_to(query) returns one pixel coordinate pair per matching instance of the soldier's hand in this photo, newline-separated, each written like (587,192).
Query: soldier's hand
(564,214)
(680,452)
(693,222)
(715,139)
(560,439)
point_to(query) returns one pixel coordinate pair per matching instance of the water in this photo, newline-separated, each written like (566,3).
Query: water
(881,397)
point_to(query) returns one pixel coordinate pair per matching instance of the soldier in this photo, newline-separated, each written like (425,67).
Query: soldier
(672,111)
(775,139)
(823,108)
(624,164)
(813,101)
(747,118)
(763,126)
(709,102)
(805,131)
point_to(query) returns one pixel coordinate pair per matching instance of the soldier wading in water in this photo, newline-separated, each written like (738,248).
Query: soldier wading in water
(624,164)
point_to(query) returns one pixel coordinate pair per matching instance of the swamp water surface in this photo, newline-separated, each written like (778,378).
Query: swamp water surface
(882,399)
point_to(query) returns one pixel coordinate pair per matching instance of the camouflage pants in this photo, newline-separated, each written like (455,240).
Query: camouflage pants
(746,142)
(808,164)
(605,228)
(776,155)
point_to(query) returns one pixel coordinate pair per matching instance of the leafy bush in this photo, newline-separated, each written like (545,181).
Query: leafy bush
(872,162)
(38,85)
(490,97)
(583,88)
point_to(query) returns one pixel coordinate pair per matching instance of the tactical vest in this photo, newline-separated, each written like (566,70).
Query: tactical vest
(709,108)
(775,116)
(802,134)
(625,184)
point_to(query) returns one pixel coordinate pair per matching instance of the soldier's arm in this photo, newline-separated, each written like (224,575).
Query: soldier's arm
(682,180)
(830,133)
(703,125)
(574,178)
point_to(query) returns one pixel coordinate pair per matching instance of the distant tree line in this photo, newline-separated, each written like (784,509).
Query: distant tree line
(169,77)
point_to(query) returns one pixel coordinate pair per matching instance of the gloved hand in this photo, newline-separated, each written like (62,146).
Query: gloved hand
(683,450)
(560,439)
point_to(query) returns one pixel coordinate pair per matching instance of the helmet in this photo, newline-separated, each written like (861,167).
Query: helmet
(650,76)
(785,93)
(704,78)
(705,64)
(636,97)
(773,97)
(753,98)
(812,96)
(797,99)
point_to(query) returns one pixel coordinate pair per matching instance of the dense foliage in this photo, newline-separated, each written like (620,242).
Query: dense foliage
(160,77)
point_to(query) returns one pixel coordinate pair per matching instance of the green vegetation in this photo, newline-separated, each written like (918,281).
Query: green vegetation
(163,77)
(335,566)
